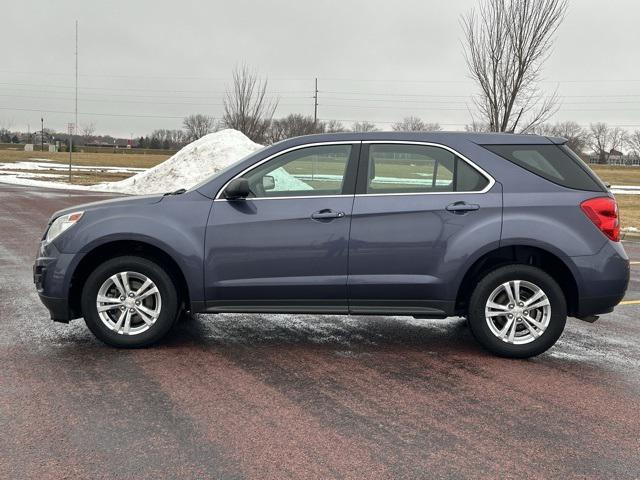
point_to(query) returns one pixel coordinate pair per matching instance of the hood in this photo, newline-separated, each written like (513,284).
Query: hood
(114,202)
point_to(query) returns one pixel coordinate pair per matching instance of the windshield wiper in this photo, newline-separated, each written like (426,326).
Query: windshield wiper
(177,192)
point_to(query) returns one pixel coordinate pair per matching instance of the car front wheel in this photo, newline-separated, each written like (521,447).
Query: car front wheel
(129,302)
(517,311)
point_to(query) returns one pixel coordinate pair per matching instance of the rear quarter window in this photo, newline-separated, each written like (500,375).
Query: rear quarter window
(552,162)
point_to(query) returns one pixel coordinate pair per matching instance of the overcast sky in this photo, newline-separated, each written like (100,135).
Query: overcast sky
(146,64)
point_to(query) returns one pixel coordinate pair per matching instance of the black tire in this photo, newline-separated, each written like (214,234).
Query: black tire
(168,311)
(484,288)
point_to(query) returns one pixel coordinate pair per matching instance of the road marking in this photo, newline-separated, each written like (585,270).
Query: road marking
(634,263)
(630,302)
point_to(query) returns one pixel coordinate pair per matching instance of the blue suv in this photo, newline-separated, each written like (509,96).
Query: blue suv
(513,232)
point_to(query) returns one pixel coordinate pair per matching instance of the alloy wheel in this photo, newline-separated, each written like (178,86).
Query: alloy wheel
(128,303)
(518,312)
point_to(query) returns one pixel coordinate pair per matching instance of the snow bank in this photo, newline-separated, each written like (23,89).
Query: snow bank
(188,167)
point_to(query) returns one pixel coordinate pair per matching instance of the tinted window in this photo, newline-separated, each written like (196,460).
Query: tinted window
(307,171)
(397,168)
(468,179)
(550,162)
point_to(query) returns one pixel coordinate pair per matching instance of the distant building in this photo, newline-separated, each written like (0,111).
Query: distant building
(615,154)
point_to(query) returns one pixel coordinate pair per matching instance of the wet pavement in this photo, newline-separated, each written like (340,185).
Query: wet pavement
(293,396)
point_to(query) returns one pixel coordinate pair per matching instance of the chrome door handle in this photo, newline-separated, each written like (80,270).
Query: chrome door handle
(462,207)
(326,214)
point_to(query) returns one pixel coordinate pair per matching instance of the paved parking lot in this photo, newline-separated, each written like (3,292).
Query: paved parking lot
(291,396)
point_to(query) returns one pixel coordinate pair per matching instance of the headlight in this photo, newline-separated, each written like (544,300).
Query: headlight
(61,224)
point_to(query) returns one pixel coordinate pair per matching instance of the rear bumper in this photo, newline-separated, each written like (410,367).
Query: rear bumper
(597,305)
(603,280)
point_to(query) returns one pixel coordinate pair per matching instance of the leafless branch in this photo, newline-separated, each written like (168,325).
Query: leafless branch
(246,106)
(415,124)
(507,41)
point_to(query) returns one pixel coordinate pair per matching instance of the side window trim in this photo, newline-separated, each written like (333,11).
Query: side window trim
(349,176)
(363,170)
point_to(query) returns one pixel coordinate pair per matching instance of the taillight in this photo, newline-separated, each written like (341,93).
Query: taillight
(603,212)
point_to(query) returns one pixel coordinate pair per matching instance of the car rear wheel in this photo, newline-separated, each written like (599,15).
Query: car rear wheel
(517,311)
(129,302)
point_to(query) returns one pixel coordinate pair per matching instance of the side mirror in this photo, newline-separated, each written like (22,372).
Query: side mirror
(238,188)
(268,182)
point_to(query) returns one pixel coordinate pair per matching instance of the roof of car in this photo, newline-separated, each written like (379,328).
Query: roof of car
(435,137)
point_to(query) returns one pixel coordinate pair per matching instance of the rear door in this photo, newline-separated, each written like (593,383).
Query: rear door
(285,248)
(419,213)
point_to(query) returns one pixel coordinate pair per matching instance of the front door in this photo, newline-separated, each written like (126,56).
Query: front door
(419,213)
(285,247)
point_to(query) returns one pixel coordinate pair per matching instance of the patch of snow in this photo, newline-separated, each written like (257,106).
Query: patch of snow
(189,166)
(32,180)
(625,190)
(631,229)
(43,165)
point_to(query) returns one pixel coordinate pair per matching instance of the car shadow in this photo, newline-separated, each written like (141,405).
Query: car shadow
(320,331)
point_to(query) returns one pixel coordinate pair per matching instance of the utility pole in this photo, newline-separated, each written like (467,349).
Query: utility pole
(42,134)
(315,105)
(70,129)
(73,126)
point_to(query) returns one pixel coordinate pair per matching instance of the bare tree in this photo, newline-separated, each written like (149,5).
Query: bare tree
(577,137)
(633,142)
(603,139)
(415,124)
(197,126)
(246,106)
(334,126)
(168,139)
(87,132)
(477,127)
(292,125)
(507,41)
(364,126)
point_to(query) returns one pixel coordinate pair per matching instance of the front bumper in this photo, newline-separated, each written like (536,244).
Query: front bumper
(51,278)
(58,308)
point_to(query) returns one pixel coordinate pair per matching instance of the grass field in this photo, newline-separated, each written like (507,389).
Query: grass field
(618,175)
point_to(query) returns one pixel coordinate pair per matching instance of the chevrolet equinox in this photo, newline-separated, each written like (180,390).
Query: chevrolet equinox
(513,232)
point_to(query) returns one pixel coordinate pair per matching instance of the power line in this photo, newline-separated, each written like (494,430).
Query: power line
(145,102)
(123,115)
(118,89)
(390,122)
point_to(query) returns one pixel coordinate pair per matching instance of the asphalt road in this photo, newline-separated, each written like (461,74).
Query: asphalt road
(292,396)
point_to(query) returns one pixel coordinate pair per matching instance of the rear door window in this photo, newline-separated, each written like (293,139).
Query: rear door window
(551,162)
(408,168)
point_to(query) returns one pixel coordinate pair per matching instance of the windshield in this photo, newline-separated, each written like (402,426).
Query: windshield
(226,169)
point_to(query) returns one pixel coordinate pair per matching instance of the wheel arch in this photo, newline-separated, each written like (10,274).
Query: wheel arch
(116,248)
(535,256)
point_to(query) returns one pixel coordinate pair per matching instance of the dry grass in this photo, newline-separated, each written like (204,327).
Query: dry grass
(618,175)
(120,159)
(629,206)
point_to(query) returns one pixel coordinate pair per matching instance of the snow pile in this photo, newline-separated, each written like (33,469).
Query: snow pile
(283,180)
(188,167)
